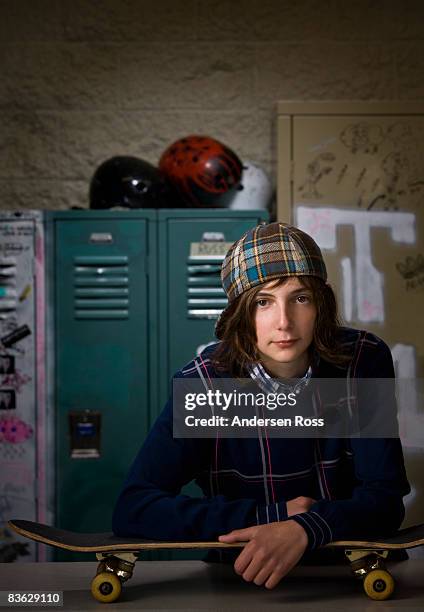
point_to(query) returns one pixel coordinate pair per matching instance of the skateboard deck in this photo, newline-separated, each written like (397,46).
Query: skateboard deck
(118,555)
(99,542)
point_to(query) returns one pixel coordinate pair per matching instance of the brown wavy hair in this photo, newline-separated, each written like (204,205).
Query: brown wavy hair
(236,328)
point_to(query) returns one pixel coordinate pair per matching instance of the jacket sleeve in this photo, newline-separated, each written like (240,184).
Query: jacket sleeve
(376,506)
(151,505)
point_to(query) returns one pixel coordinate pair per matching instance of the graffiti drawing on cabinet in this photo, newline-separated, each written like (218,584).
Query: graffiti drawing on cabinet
(22,472)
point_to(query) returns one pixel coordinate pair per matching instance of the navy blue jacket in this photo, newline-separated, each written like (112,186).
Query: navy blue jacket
(358,483)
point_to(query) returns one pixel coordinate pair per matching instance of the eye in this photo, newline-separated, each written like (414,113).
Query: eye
(303,299)
(261,302)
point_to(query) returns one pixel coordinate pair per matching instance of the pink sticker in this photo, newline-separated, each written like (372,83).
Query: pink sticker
(13,430)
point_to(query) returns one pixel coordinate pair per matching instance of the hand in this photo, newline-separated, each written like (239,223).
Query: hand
(299,505)
(272,550)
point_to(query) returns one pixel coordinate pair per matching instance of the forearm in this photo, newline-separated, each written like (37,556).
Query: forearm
(155,514)
(370,512)
(376,505)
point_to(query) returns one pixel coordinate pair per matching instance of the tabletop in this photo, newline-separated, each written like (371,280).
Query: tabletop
(195,585)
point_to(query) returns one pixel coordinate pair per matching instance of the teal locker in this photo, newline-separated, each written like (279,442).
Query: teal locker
(192,245)
(136,295)
(105,359)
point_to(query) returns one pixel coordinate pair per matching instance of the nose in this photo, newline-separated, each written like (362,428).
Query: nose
(284,318)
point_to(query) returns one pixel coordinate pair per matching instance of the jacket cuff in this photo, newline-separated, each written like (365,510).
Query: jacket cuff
(271,513)
(317,529)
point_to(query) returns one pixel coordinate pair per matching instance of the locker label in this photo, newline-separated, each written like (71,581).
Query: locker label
(214,249)
(101,238)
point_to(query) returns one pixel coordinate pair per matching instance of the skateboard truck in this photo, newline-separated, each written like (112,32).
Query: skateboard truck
(368,565)
(112,571)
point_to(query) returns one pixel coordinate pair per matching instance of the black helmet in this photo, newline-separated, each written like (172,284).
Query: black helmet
(129,182)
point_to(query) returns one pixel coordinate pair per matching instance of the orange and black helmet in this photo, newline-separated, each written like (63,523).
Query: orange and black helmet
(203,171)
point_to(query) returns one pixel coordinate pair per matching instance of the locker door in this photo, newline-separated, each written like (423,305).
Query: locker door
(192,295)
(102,363)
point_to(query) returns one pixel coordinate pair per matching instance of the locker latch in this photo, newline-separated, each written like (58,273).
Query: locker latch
(84,431)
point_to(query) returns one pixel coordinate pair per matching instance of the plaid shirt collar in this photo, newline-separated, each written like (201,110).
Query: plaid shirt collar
(272,385)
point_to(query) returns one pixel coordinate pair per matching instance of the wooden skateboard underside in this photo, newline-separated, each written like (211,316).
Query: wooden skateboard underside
(108,542)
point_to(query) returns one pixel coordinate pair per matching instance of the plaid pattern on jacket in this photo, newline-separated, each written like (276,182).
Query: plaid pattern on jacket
(358,483)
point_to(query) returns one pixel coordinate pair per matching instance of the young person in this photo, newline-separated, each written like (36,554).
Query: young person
(284,496)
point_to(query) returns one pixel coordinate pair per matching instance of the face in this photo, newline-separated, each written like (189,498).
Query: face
(285,320)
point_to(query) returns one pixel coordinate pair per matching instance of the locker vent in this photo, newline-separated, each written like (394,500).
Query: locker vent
(206,298)
(101,287)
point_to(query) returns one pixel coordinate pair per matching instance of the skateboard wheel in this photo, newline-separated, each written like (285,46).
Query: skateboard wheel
(379,584)
(106,587)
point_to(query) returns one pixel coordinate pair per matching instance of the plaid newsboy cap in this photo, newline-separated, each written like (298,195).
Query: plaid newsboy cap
(268,252)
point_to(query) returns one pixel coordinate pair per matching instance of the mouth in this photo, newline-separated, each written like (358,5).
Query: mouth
(285,343)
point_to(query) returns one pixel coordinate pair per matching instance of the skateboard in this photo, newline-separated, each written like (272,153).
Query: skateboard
(117,556)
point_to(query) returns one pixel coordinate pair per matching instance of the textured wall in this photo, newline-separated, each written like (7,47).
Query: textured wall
(82,80)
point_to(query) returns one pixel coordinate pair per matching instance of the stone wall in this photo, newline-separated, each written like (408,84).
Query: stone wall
(82,80)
